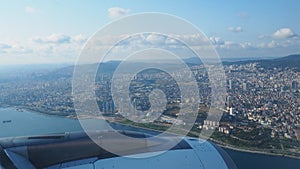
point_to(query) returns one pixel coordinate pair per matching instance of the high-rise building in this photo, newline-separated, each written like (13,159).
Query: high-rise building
(295,85)
(231,111)
(104,105)
(244,86)
(112,106)
(230,84)
(228,102)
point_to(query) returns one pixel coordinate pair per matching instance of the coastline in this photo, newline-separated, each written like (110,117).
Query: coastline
(257,151)
(42,111)
(226,146)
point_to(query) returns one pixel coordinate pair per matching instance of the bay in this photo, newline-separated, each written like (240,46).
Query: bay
(15,122)
(245,160)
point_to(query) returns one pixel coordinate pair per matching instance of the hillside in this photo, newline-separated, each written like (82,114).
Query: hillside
(291,61)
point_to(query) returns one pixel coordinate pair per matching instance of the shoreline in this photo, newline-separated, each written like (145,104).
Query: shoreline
(224,146)
(228,146)
(231,147)
(256,151)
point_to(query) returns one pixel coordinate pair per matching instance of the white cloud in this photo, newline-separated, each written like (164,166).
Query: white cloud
(54,38)
(219,43)
(18,49)
(284,33)
(235,29)
(193,39)
(54,48)
(116,12)
(272,44)
(216,40)
(65,48)
(155,39)
(79,38)
(247,45)
(30,9)
(4,46)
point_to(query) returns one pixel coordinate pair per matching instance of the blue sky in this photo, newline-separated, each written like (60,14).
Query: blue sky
(54,31)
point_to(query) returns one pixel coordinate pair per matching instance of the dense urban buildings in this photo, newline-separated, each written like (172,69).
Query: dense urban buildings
(261,100)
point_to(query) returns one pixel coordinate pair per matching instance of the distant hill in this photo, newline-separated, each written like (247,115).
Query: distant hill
(106,67)
(291,61)
(67,72)
(193,61)
(13,73)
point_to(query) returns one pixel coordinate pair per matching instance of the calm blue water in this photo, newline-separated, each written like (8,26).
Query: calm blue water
(31,123)
(244,160)
(24,123)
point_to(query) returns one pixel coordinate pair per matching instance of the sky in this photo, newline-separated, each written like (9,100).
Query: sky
(55,31)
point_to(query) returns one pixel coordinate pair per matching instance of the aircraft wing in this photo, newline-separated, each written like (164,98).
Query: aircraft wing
(77,151)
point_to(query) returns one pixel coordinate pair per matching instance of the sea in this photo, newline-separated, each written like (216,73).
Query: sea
(16,122)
